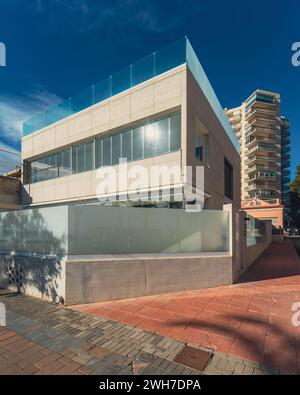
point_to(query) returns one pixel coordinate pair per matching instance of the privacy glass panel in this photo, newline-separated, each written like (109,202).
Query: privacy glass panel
(122,230)
(91,229)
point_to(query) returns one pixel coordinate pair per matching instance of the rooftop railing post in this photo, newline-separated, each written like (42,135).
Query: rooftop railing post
(131,78)
(110,86)
(154,64)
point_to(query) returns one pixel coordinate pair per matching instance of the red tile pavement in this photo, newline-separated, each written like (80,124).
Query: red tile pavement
(251,319)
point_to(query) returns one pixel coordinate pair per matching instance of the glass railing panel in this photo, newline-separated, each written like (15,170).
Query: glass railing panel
(121,81)
(170,57)
(63,109)
(102,90)
(82,100)
(143,70)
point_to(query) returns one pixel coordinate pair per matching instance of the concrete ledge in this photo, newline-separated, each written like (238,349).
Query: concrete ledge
(116,278)
(130,257)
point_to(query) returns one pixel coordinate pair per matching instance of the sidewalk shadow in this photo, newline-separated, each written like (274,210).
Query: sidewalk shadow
(269,358)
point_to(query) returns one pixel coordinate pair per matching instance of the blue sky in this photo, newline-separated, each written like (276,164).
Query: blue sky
(56,48)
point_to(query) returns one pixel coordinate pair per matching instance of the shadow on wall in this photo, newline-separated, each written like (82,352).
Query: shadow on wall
(25,198)
(31,257)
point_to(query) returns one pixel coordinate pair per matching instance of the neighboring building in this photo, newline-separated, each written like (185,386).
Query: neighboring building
(159,111)
(17,173)
(10,192)
(285,165)
(257,123)
(265,210)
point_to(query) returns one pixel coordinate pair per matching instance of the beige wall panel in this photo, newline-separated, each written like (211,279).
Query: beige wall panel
(61,188)
(62,134)
(27,147)
(120,111)
(49,139)
(49,191)
(101,118)
(167,93)
(80,184)
(142,103)
(80,126)
(38,143)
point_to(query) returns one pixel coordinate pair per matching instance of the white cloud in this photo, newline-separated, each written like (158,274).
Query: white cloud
(10,158)
(14,110)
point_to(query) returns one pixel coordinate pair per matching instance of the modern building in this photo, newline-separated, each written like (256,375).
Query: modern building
(101,149)
(161,111)
(263,137)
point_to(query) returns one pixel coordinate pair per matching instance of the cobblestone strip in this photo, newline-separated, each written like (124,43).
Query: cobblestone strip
(87,344)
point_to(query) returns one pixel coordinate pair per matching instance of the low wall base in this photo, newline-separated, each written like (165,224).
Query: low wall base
(89,280)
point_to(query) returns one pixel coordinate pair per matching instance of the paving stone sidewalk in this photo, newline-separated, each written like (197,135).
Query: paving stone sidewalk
(42,338)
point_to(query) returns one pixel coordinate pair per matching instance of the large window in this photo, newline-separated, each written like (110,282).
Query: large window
(228,178)
(144,141)
(82,157)
(52,166)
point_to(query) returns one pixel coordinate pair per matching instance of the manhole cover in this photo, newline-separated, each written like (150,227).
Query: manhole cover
(193,358)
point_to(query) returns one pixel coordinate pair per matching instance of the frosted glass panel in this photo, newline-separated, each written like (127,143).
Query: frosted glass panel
(92,229)
(256,231)
(42,230)
(95,229)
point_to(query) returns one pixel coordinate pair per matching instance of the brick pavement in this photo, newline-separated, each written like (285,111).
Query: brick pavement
(42,338)
(250,320)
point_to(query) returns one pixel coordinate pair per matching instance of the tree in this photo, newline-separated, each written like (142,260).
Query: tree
(295,184)
(295,199)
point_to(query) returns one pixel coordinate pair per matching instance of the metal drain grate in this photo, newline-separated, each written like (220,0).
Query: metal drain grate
(193,358)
